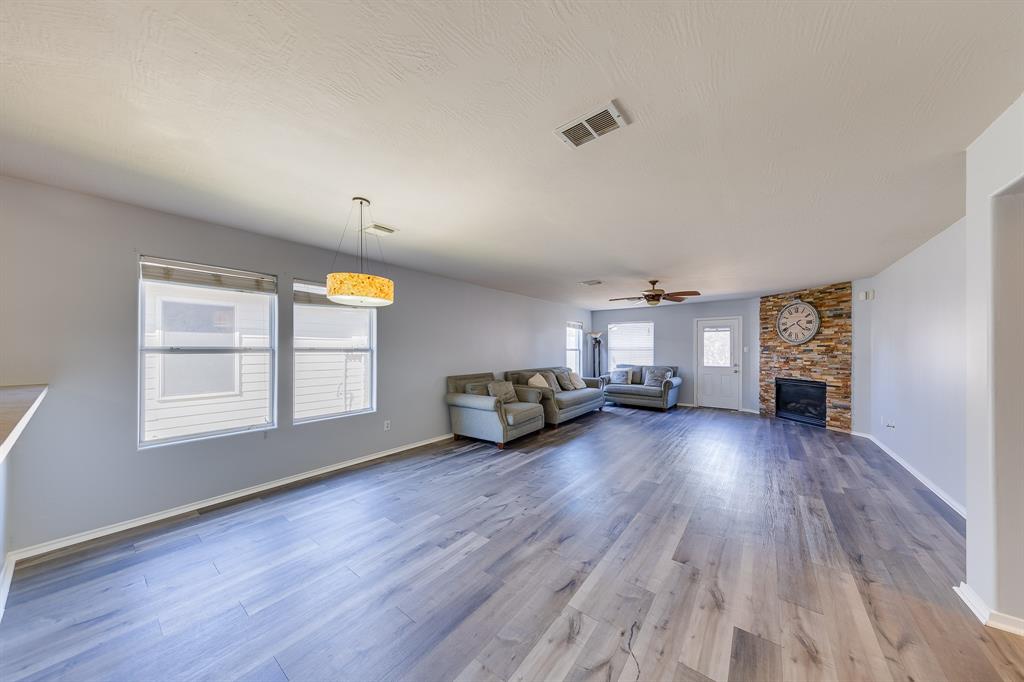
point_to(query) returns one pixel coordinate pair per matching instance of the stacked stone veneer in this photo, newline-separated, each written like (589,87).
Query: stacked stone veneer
(827,357)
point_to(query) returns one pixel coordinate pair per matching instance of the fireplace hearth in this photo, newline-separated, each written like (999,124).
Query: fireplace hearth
(800,400)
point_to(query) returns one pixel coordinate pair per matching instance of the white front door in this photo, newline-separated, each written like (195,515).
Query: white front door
(719,371)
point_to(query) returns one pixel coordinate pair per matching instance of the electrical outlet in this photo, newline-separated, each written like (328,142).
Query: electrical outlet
(387,424)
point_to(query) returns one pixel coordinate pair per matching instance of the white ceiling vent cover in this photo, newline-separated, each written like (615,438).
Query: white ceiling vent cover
(591,126)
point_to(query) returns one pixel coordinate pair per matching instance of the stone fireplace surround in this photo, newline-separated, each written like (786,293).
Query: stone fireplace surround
(827,357)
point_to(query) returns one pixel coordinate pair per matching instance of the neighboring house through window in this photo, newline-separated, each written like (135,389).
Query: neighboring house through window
(630,343)
(335,356)
(207,346)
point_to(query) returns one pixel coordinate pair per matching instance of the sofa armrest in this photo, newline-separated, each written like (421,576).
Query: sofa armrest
(605,379)
(476,402)
(671,383)
(594,382)
(528,394)
(545,393)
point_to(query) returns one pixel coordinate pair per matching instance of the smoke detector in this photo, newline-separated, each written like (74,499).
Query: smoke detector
(591,126)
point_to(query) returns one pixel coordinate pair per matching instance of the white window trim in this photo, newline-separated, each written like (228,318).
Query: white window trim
(372,351)
(578,327)
(140,371)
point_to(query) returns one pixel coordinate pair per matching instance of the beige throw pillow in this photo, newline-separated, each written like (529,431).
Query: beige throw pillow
(577,380)
(537,381)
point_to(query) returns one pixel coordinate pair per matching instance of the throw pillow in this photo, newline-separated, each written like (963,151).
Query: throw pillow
(638,375)
(564,381)
(621,376)
(657,375)
(577,380)
(552,381)
(503,391)
(537,381)
(477,388)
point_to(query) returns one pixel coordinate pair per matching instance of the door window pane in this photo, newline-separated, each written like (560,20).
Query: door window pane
(717,347)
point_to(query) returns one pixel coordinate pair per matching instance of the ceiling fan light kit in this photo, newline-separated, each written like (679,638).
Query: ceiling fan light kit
(654,295)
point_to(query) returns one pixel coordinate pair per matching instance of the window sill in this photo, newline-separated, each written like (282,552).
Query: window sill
(150,445)
(330,417)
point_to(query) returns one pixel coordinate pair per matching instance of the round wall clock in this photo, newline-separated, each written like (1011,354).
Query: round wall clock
(797,323)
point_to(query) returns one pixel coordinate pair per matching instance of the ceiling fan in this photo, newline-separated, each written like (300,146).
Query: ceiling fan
(654,295)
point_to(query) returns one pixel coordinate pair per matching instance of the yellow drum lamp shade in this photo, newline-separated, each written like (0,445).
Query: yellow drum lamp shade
(359,289)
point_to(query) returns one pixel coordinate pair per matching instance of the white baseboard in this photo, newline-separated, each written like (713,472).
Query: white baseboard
(749,411)
(61,543)
(987,616)
(6,575)
(942,494)
(742,409)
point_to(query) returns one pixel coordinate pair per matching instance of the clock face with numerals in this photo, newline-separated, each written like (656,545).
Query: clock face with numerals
(798,322)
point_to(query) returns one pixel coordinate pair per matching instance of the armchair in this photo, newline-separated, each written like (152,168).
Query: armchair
(476,414)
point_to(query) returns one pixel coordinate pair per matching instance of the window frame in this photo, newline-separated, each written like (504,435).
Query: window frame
(578,328)
(142,350)
(371,351)
(610,349)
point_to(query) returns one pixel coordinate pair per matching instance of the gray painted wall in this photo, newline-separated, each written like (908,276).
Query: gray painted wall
(909,366)
(68,294)
(674,337)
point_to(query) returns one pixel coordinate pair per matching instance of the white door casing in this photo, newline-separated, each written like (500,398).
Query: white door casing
(718,366)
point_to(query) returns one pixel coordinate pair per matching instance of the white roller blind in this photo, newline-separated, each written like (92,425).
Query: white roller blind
(630,343)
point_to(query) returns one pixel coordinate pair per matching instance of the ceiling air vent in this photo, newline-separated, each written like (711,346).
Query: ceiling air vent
(590,283)
(591,126)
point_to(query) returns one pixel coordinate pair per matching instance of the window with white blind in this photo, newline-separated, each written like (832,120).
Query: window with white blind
(335,358)
(207,346)
(630,343)
(574,347)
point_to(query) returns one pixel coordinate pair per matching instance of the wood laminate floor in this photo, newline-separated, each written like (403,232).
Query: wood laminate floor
(626,545)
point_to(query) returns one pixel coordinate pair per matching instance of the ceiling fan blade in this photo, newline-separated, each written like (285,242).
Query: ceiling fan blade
(683,293)
(674,299)
(627,298)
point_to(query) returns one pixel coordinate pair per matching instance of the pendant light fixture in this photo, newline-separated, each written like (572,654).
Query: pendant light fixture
(360,289)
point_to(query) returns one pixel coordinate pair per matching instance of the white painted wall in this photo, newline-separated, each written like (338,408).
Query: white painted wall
(68,295)
(910,363)
(995,466)
(674,338)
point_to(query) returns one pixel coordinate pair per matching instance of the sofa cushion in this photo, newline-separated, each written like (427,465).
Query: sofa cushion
(620,376)
(564,379)
(537,381)
(503,391)
(517,414)
(638,374)
(631,389)
(655,375)
(477,388)
(567,399)
(576,380)
(549,377)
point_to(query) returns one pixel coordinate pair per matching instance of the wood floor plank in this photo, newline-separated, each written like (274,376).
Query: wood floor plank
(628,545)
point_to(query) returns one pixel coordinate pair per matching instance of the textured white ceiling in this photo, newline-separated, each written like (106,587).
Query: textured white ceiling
(772,146)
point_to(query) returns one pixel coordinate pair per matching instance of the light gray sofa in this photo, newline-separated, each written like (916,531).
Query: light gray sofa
(635,393)
(561,405)
(476,414)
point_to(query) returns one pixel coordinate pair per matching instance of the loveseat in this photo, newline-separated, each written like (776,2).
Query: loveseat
(477,414)
(663,395)
(559,403)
